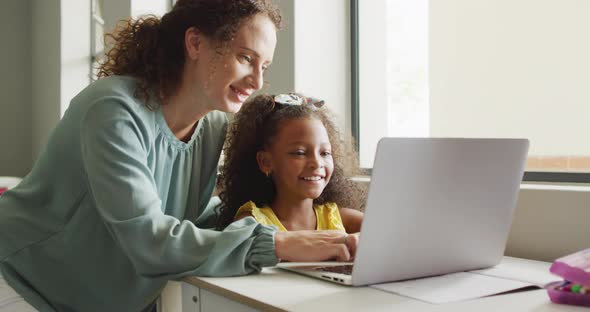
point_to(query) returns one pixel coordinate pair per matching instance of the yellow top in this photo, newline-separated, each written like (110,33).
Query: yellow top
(327,216)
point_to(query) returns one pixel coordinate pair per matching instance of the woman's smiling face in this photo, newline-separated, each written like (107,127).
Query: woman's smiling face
(227,75)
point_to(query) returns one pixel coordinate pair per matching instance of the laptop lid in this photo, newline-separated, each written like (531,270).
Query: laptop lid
(438,205)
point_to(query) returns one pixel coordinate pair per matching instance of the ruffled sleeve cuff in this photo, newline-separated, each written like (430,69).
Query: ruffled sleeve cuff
(262,254)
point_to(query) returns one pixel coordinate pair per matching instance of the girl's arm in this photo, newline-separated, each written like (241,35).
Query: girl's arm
(351,219)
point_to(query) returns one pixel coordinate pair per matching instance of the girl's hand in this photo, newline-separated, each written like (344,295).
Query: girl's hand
(310,246)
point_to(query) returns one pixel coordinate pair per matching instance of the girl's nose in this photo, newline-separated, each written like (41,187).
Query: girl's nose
(316,162)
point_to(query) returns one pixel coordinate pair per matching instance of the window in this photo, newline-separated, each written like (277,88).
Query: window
(480,68)
(97,32)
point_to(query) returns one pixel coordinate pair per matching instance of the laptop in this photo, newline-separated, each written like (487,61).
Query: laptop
(435,206)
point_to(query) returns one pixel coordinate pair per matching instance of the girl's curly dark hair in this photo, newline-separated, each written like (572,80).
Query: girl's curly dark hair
(152,49)
(255,127)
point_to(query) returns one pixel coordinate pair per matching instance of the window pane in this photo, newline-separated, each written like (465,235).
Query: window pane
(478,68)
(393,82)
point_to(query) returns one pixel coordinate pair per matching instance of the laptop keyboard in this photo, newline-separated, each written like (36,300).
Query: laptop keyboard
(342,269)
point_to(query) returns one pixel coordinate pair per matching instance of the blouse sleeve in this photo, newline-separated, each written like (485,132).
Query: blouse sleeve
(114,152)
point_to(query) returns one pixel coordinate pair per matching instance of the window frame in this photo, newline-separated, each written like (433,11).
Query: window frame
(529,176)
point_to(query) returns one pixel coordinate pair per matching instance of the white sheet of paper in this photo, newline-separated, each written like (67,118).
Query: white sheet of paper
(530,271)
(451,287)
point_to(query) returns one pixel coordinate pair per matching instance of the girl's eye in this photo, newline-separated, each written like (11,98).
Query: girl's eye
(327,153)
(298,153)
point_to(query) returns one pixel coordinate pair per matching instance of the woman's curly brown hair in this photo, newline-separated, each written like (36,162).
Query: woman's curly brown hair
(152,49)
(253,129)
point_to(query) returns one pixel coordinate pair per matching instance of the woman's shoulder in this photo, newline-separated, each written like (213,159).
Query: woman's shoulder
(217,120)
(115,94)
(109,97)
(112,86)
(111,102)
(118,91)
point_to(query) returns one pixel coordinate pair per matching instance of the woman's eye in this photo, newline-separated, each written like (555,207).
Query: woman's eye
(298,153)
(327,153)
(246,58)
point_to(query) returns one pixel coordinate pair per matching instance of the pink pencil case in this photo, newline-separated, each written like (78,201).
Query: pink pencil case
(575,270)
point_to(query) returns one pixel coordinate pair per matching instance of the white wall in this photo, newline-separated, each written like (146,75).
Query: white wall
(46,71)
(15,103)
(156,7)
(280,77)
(497,65)
(550,222)
(114,11)
(75,49)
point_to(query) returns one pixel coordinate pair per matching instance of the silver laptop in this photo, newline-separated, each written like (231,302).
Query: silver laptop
(435,206)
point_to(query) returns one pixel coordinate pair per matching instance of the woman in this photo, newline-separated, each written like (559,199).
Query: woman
(118,202)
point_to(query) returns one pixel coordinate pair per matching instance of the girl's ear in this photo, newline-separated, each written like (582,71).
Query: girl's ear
(264,162)
(192,42)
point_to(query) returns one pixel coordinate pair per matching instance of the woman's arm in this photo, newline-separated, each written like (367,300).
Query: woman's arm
(114,153)
(302,246)
(351,219)
(312,246)
(243,215)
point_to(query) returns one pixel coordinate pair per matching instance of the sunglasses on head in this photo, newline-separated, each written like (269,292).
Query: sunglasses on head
(296,99)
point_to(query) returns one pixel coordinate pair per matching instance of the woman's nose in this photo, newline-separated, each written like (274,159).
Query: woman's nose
(257,79)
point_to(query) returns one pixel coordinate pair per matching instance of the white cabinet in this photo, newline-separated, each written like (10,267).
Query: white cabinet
(190,298)
(213,302)
(195,299)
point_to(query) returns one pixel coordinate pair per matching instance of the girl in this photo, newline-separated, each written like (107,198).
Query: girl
(286,165)
(117,203)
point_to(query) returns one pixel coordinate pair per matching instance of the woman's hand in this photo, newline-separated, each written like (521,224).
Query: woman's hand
(309,246)
(352,240)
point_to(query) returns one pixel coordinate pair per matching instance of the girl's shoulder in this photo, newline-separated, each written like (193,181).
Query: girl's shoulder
(258,213)
(330,206)
(247,207)
(328,217)
(263,215)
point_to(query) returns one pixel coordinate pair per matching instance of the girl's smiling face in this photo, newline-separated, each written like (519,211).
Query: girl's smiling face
(299,159)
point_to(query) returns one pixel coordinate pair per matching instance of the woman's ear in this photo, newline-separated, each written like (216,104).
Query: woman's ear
(264,162)
(192,42)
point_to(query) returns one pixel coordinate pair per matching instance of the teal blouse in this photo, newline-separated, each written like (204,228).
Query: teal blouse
(116,206)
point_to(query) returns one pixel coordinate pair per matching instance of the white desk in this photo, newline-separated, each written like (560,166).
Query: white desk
(277,290)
